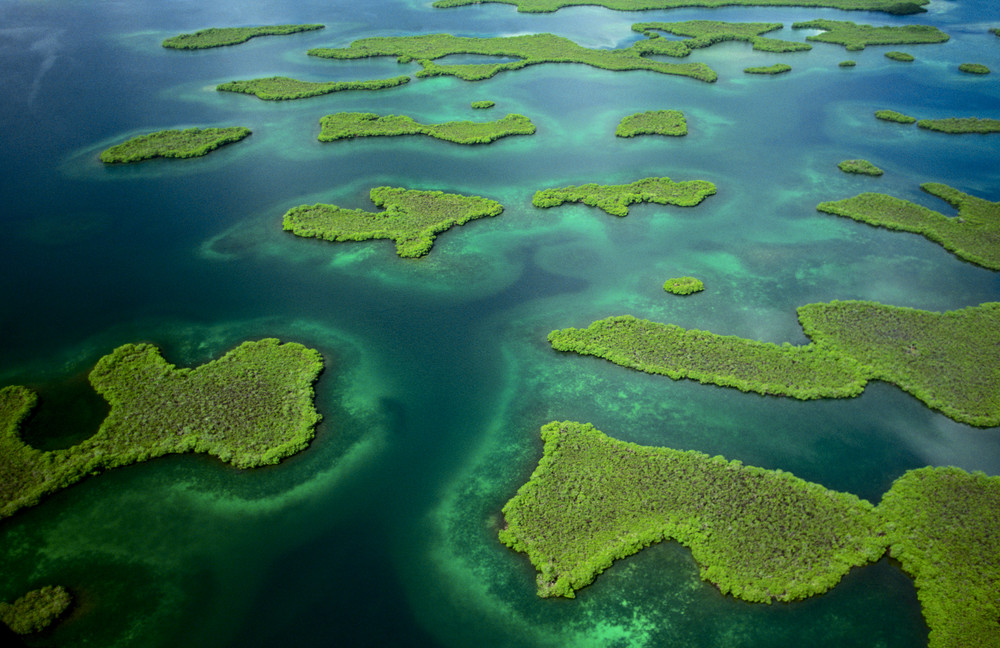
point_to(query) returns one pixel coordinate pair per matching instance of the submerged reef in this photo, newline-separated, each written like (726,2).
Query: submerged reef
(251,407)
(943,359)
(973,235)
(188,143)
(615,199)
(412,218)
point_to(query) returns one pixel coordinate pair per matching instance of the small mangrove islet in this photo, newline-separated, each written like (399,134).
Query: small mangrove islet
(760,535)
(348,125)
(847,64)
(528,49)
(36,610)
(943,359)
(654,122)
(704,33)
(862,167)
(902,57)
(893,116)
(251,407)
(219,36)
(856,37)
(279,88)
(961,125)
(188,143)
(412,218)
(973,68)
(777,68)
(615,199)
(683,285)
(895,7)
(973,235)
(482,105)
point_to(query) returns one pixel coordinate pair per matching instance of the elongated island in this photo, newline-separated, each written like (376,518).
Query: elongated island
(348,125)
(220,36)
(187,143)
(615,199)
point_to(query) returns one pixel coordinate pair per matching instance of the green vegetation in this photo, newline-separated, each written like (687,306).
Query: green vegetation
(896,7)
(848,63)
(900,56)
(411,218)
(941,525)
(893,116)
(284,88)
(995,31)
(683,285)
(218,36)
(36,610)
(943,359)
(973,68)
(654,122)
(777,68)
(189,143)
(251,407)
(961,125)
(703,33)
(481,105)
(760,535)
(615,199)
(350,125)
(530,49)
(863,167)
(856,37)
(973,235)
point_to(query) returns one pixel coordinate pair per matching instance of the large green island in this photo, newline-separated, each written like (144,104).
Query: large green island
(219,36)
(412,218)
(251,407)
(760,535)
(897,7)
(946,360)
(348,125)
(187,143)
(615,199)
(525,50)
(972,235)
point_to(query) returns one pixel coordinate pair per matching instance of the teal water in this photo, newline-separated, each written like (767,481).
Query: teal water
(438,373)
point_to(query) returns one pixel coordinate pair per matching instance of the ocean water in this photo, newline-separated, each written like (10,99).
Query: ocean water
(438,372)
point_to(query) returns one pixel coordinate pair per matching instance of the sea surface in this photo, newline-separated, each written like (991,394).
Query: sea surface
(438,374)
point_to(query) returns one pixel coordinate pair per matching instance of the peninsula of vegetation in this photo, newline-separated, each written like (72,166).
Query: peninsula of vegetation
(188,143)
(280,88)
(943,359)
(777,68)
(760,535)
(529,49)
(856,37)
(683,285)
(973,68)
(862,167)
(941,525)
(348,125)
(972,235)
(896,7)
(893,116)
(219,36)
(703,33)
(654,122)
(251,407)
(615,199)
(411,218)
(36,610)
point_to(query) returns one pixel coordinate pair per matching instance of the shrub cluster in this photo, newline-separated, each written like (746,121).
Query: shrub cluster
(188,143)
(974,235)
(481,105)
(615,199)
(683,285)
(411,218)
(219,36)
(348,125)
(36,610)
(279,88)
(251,407)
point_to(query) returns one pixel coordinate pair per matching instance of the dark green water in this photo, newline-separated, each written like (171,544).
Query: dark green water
(383,532)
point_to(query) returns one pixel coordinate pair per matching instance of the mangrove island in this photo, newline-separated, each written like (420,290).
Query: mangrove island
(219,36)
(188,143)
(895,7)
(279,88)
(615,199)
(348,125)
(36,610)
(861,167)
(856,37)
(653,122)
(683,285)
(703,33)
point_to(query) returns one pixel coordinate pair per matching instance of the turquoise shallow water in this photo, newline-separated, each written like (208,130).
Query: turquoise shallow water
(438,373)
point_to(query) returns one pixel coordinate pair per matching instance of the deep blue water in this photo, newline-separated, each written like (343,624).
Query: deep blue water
(438,372)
